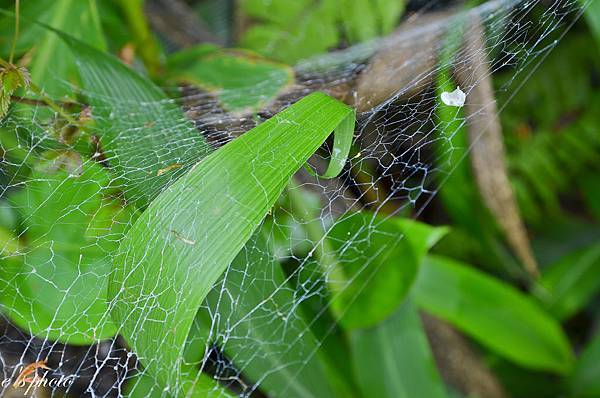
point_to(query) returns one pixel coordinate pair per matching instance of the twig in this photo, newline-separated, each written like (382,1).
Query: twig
(16,35)
(488,157)
(37,102)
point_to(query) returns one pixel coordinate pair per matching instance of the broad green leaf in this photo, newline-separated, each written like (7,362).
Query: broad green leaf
(392,359)
(291,31)
(146,137)
(58,290)
(584,382)
(256,320)
(493,313)
(366,19)
(192,231)
(379,257)
(78,17)
(567,285)
(242,81)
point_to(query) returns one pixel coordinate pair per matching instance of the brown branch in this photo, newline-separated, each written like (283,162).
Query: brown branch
(460,366)
(488,157)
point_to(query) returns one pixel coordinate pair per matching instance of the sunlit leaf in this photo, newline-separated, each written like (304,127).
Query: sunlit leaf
(182,243)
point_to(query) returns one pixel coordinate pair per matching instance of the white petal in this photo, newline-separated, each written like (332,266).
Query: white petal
(455,98)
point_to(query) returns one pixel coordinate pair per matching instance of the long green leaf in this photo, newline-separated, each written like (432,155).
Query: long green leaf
(393,359)
(391,356)
(567,285)
(493,313)
(181,244)
(143,135)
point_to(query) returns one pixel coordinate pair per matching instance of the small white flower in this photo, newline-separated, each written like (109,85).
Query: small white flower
(455,98)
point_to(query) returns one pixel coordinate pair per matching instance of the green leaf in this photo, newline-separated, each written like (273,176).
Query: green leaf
(278,351)
(183,242)
(146,137)
(493,313)
(291,31)
(379,257)
(366,19)
(53,64)
(585,379)
(241,80)
(393,359)
(567,285)
(11,79)
(58,290)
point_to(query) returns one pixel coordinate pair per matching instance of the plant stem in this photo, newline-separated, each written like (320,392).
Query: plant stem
(36,102)
(334,274)
(145,42)
(45,100)
(16,36)
(53,105)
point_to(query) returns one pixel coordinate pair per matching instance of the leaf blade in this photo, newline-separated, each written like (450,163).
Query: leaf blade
(408,369)
(493,313)
(230,190)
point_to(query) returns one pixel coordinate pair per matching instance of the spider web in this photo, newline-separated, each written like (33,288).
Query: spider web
(269,314)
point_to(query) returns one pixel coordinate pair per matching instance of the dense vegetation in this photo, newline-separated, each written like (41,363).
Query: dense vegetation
(202,198)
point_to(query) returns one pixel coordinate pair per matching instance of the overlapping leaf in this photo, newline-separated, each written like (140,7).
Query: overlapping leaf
(186,238)
(379,258)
